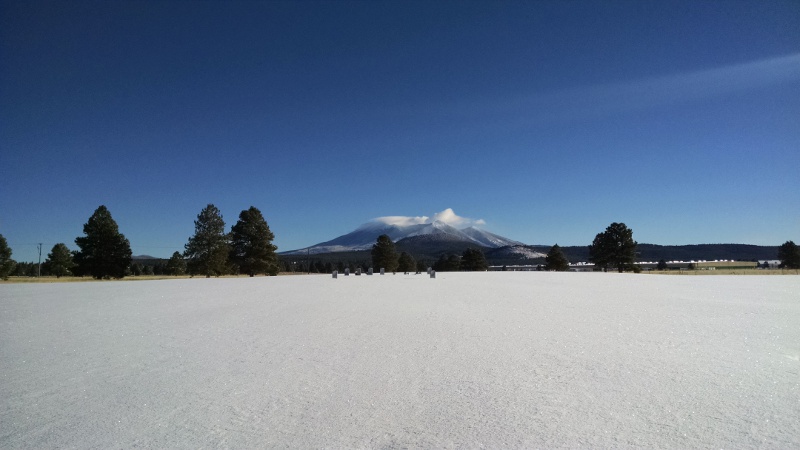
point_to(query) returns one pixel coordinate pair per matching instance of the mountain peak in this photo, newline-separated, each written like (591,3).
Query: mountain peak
(401,227)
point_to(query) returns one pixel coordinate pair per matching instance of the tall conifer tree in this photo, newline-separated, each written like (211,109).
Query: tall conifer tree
(207,251)
(251,244)
(384,254)
(555,259)
(104,251)
(789,254)
(614,247)
(7,264)
(59,261)
(176,264)
(406,263)
(473,260)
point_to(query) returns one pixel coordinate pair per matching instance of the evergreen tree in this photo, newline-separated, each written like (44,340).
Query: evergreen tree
(441,264)
(662,265)
(453,263)
(136,269)
(176,264)
(22,269)
(7,265)
(104,251)
(384,255)
(555,260)
(406,263)
(447,263)
(251,244)
(207,251)
(59,261)
(614,247)
(473,260)
(789,254)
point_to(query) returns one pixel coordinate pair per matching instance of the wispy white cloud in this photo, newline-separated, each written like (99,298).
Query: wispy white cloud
(402,221)
(638,95)
(447,216)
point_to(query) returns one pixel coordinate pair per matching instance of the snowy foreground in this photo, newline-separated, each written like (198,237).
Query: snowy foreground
(499,360)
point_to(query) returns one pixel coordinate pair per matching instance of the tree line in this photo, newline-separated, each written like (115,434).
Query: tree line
(247,249)
(105,253)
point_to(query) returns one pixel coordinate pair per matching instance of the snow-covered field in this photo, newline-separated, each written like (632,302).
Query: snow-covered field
(498,360)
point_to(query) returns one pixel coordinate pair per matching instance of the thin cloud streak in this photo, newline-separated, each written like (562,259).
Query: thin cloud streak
(603,100)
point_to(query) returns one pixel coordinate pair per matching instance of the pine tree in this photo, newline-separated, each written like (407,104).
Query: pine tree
(662,265)
(176,264)
(473,260)
(104,251)
(7,265)
(406,263)
(789,254)
(136,269)
(447,263)
(59,261)
(556,261)
(207,251)
(614,247)
(384,255)
(251,244)
(453,263)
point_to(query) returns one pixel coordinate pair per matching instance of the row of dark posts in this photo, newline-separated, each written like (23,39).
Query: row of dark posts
(335,274)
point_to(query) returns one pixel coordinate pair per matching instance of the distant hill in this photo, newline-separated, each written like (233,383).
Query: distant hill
(147,260)
(737,252)
(139,257)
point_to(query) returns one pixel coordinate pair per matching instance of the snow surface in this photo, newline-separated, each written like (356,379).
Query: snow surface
(522,359)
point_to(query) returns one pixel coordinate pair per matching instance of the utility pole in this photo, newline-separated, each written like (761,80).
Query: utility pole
(40,260)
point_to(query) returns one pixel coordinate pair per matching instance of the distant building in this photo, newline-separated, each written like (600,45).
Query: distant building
(769,264)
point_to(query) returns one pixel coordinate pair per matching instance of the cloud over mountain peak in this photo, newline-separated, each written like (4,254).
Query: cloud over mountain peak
(447,216)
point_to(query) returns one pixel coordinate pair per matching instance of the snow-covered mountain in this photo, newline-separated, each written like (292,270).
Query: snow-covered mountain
(488,239)
(365,236)
(516,252)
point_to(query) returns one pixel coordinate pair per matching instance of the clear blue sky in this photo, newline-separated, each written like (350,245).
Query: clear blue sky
(547,120)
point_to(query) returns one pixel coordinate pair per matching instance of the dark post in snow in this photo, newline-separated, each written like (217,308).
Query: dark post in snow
(335,273)
(382,270)
(433,274)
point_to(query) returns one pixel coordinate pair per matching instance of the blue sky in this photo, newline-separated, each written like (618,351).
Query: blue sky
(546,120)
